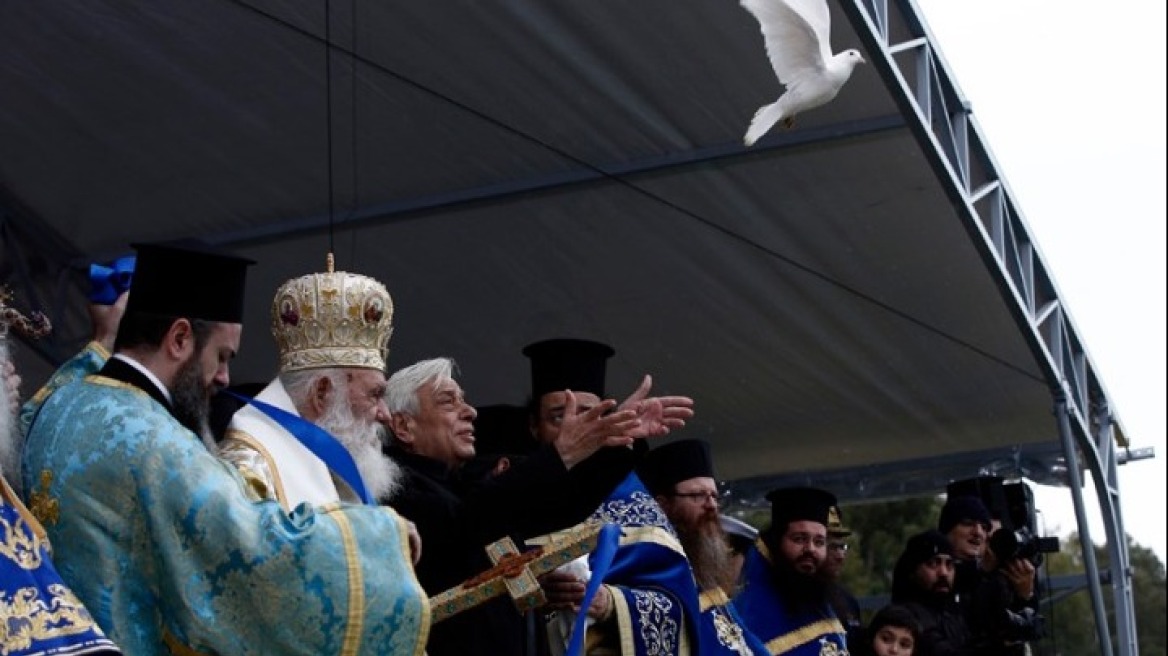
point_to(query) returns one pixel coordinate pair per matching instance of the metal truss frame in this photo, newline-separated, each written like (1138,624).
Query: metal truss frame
(906,57)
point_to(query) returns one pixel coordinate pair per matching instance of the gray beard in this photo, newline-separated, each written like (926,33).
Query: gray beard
(709,556)
(381,475)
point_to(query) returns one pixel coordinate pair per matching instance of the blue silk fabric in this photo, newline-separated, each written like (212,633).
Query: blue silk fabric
(39,614)
(768,615)
(659,609)
(158,539)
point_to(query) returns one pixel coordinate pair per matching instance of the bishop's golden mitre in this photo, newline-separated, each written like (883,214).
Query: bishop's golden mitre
(332,319)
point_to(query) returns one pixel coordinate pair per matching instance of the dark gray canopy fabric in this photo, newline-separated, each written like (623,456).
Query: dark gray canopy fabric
(529,169)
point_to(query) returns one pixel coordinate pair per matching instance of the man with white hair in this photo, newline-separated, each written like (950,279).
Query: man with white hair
(39,614)
(332,332)
(555,486)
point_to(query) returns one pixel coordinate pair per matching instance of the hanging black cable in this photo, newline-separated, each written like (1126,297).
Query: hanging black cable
(328,86)
(618,179)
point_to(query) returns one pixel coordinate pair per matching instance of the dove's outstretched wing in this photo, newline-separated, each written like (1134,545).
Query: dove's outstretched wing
(792,42)
(817,15)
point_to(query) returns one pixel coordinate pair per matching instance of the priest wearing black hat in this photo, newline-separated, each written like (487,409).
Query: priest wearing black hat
(580,365)
(651,564)
(784,601)
(158,537)
(680,475)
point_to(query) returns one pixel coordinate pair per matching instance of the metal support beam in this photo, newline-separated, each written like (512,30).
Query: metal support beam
(1122,585)
(1065,434)
(951,139)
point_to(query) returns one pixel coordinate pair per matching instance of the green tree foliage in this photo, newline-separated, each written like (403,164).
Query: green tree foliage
(1071,618)
(879,532)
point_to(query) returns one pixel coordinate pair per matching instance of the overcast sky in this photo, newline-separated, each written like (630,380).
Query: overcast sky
(1071,101)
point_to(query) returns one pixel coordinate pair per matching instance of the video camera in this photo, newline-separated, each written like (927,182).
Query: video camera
(1009,544)
(1012,503)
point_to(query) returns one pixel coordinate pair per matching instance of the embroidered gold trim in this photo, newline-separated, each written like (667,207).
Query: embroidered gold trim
(41,504)
(99,349)
(763,550)
(247,440)
(712,597)
(804,634)
(34,525)
(653,534)
(356,612)
(27,618)
(425,620)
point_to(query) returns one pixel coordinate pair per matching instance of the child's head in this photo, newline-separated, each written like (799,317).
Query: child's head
(894,631)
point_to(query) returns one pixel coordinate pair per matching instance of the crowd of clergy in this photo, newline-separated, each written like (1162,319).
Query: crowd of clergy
(151,507)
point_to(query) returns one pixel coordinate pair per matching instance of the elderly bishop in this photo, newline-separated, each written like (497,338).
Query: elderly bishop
(314,434)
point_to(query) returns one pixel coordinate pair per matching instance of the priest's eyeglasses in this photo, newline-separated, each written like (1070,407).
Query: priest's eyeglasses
(699,497)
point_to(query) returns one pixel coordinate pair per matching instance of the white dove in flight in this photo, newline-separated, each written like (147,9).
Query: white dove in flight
(796,35)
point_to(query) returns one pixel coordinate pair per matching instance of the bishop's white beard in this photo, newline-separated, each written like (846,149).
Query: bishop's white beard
(10,437)
(381,475)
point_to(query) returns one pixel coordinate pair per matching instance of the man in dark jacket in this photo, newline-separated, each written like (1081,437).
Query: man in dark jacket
(923,582)
(433,436)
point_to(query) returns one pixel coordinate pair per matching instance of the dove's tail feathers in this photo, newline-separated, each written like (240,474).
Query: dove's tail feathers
(764,119)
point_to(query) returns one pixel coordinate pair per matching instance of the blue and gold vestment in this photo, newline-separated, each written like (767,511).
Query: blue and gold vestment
(157,537)
(658,607)
(768,614)
(39,614)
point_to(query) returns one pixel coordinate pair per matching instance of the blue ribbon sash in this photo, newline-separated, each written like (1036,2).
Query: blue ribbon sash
(601,559)
(318,441)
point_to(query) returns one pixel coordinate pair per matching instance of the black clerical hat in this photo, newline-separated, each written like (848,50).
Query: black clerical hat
(567,364)
(188,279)
(669,464)
(794,504)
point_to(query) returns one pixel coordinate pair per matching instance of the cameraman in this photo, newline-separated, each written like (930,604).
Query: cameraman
(995,594)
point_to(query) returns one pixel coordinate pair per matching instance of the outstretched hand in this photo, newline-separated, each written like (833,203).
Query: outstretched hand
(582,435)
(659,415)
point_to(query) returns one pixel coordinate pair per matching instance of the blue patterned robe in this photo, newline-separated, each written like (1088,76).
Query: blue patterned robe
(766,613)
(158,539)
(39,614)
(659,609)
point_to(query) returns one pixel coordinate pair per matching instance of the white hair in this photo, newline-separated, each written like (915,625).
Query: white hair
(401,390)
(299,384)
